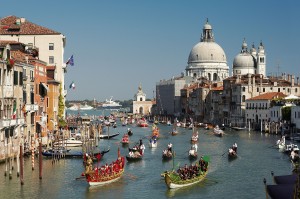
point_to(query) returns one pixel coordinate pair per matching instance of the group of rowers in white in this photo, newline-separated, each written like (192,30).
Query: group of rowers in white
(138,150)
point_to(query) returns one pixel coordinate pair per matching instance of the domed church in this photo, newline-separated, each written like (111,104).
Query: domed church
(250,62)
(207,58)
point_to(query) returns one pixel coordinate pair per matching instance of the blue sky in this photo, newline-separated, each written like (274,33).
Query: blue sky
(119,44)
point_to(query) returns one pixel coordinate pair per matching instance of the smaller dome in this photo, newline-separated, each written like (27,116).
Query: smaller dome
(244,45)
(207,26)
(244,60)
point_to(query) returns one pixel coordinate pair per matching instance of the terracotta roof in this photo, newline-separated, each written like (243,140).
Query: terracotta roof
(5,42)
(20,56)
(268,96)
(220,88)
(10,26)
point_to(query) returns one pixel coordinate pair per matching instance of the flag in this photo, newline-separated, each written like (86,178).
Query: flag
(72,85)
(14,115)
(70,61)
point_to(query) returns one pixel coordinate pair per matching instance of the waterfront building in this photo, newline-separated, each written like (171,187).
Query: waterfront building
(258,111)
(203,101)
(238,88)
(168,101)
(53,96)
(11,102)
(250,62)
(48,45)
(207,58)
(295,115)
(140,104)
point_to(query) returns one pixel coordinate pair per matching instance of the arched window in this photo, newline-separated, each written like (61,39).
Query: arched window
(141,99)
(243,98)
(209,76)
(215,76)
(141,110)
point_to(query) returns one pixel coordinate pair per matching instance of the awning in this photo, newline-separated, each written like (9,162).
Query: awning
(45,86)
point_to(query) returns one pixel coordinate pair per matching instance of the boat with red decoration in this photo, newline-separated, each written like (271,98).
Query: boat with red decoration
(125,139)
(105,174)
(143,123)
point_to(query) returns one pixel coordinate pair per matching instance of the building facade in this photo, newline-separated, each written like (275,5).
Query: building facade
(140,105)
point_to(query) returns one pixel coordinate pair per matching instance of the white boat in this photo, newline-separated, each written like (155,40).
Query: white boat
(74,108)
(218,132)
(153,143)
(110,104)
(85,107)
(281,143)
(71,142)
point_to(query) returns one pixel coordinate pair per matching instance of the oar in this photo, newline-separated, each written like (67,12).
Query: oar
(80,178)
(272,146)
(224,153)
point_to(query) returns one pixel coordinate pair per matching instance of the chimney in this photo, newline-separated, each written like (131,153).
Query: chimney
(253,81)
(249,79)
(26,58)
(23,20)
(261,77)
(293,80)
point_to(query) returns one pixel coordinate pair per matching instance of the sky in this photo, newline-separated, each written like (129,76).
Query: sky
(118,45)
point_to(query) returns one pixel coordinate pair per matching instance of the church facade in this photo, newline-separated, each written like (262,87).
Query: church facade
(140,104)
(207,58)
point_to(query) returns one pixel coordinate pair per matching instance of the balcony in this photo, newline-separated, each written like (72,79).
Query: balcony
(31,107)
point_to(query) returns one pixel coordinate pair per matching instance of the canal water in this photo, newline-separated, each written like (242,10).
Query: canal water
(239,178)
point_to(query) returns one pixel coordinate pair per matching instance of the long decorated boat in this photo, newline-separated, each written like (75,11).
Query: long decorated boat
(174,179)
(106,173)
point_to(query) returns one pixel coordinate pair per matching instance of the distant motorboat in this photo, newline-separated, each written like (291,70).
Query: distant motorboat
(71,142)
(110,104)
(85,107)
(75,107)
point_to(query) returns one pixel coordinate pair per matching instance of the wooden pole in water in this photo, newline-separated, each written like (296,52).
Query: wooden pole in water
(40,159)
(249,125)
(10,160)
(32,152)
(6,158)
(18,163)
(21,165)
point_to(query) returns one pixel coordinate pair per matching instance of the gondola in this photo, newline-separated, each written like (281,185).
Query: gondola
(218,132)
(129,132)
(193,155)
(134,158)
(174,179)
(70,154)
(125,140)
(167,155)
(108,136)
(232,154)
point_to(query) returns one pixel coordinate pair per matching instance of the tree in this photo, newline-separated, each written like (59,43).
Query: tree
(286,113)
(61,109)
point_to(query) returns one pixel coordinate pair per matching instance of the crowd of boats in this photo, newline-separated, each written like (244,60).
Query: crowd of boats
(107,173)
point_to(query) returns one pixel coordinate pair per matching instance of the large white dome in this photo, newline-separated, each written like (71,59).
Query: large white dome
(207,52)
(244,60)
